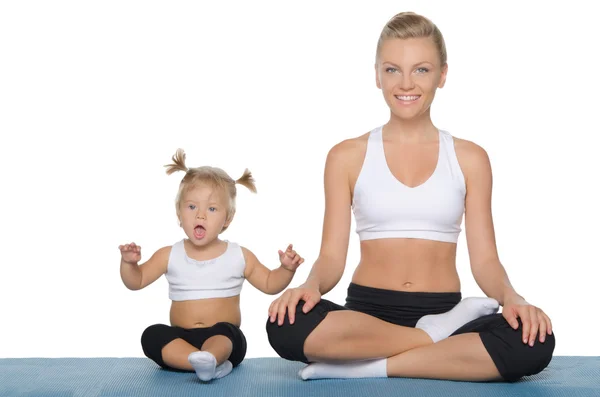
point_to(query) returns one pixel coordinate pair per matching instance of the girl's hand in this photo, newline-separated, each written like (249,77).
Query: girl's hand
(290,259)
(131,253)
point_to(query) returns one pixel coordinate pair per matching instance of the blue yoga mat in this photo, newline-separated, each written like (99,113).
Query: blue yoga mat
(122,377)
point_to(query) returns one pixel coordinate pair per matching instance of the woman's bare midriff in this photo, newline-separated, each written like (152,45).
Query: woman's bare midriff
(203,313)
(404,264)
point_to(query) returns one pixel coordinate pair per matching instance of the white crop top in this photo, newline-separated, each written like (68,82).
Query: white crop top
(386,208)
(220,277)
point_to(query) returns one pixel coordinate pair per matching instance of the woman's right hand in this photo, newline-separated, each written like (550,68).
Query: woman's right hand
(289,300)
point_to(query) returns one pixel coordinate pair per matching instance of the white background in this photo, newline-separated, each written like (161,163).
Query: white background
(95,97)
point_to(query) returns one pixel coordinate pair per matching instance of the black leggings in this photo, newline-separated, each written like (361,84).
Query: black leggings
(512,357)
(157,336)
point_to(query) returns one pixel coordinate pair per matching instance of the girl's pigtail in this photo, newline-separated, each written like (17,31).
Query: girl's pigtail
(178,163)
(247,180)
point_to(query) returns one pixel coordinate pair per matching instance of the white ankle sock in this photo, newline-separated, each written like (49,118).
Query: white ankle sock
(223,369)
(205,365)
(356,369)
(441,326)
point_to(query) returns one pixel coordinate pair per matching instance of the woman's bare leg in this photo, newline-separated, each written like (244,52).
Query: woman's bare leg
(461,357)
(347,335)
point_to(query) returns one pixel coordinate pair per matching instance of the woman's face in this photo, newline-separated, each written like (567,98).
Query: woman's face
(408,72)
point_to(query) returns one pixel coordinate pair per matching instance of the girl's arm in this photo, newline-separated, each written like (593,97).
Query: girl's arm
(136,276)
(271,281)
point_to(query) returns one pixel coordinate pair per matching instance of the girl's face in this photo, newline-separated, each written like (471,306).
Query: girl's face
(408,72)
(203,214)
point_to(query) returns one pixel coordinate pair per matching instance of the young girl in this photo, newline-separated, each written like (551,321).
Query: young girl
(205,276)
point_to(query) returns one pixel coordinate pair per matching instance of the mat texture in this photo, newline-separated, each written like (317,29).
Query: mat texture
(123,377)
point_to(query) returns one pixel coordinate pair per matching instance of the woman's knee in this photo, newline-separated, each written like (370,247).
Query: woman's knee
(515,359)
(288,339)
(541,354)
(530,360)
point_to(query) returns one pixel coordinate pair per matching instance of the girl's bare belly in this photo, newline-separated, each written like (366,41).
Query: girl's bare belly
(408,265)
(203,313)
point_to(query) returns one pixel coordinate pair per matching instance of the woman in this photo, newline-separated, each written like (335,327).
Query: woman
(409,185)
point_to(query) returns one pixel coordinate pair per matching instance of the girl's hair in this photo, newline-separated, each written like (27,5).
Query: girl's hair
(407,25)
(213,176)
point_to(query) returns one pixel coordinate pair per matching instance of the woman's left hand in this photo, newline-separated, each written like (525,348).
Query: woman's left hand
(532,318)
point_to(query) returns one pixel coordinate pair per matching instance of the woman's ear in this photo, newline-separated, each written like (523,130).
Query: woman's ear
(443,77)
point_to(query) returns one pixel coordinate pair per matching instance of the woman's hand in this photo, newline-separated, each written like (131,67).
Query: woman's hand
(532,318)
(289,300)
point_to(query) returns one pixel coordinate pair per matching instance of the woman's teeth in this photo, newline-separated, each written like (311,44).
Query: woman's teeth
(408,98)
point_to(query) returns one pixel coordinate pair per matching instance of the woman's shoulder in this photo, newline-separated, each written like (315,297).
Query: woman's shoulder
(472,158)
(469,150)
(349,148)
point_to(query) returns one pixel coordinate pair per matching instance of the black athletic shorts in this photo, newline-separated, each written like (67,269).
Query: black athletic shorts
(157,336)
(512,357)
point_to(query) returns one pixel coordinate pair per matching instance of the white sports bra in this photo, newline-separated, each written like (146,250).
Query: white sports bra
(386,208)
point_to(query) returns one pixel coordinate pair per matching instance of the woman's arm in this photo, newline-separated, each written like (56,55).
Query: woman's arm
(481,240)
(329,266)
(328,269)
(488,271)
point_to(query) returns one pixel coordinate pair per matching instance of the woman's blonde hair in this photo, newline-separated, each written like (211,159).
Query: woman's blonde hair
(409,25)
(213,176)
